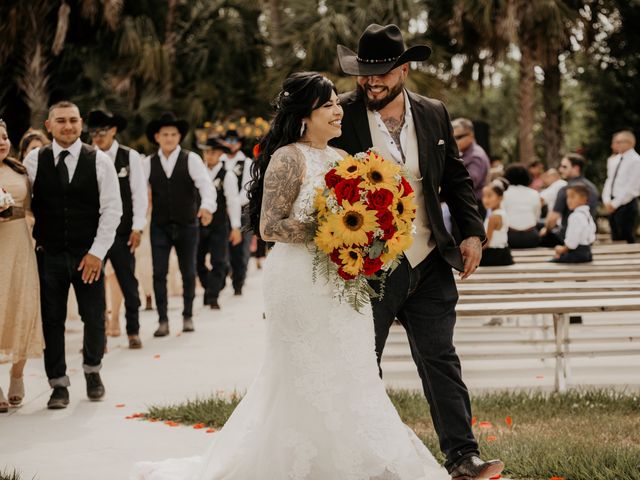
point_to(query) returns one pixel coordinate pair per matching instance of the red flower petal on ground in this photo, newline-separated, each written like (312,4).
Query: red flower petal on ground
(199,426)
(508,420)
(492,438)
(156,356)
(348,190)
(211,430)
(379,199)
(331,178)
(486,425)
(119,405)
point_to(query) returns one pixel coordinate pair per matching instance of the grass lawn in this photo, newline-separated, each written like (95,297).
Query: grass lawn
(579,435)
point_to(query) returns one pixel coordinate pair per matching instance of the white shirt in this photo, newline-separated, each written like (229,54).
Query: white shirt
(230,164)
(522,205)
(108,190)
(581,229)
(550,193)
(137,182)
(499,238)
(197,172)
(627,185)
(394,149)
(231,194)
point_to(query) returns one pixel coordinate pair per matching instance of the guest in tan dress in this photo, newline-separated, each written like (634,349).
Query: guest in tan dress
(20,323)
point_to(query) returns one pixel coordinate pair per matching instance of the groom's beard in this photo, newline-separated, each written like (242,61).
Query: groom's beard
(376,105)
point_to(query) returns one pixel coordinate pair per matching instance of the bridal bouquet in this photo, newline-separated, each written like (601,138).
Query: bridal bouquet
(364,214)
(6,200)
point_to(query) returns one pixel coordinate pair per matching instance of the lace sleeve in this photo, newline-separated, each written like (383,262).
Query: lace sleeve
(282,182)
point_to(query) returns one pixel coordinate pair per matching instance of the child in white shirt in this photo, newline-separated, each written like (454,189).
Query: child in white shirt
(581,229)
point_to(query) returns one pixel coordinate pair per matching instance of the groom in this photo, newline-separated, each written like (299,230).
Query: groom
(421,293)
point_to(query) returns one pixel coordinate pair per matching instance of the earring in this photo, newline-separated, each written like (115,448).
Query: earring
(302,128)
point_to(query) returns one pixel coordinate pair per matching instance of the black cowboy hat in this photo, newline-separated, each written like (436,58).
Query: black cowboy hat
(214,143)
(167,119)
(380,49)
(102,119)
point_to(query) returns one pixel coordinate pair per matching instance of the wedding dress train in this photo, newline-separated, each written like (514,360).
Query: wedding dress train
(317,409)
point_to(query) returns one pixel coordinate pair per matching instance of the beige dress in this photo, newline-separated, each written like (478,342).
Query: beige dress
(20,323)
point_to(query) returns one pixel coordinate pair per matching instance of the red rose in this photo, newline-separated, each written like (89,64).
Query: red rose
(331,178)
(335,257)
(369,238)
(385,220)
(379,199)
(345,275)
(371,265)
(407,190)
(348,190)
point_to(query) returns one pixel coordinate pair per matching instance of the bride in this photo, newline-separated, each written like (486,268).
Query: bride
(317,409)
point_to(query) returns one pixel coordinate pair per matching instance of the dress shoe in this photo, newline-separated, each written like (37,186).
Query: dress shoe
(149,305)
(187,325)
(134,342)
(474,468)
(163,330)
(95,388)
(237,292)
(16,391)
(214,305)
(59,398)
(4,405)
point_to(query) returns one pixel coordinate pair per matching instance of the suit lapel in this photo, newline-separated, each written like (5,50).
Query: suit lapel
(426,139)
(357,115)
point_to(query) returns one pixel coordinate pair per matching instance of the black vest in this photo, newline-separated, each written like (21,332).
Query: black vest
(175,199)
(122,165)
(220,215)
(66,216)
(238,170)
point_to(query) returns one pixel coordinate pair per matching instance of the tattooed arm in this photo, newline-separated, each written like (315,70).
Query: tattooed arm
(282,181)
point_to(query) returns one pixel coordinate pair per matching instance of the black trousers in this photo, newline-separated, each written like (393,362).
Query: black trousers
(239,260)
(423,299)
(184,238)
(496,257)
(623,222)
(523,238)
(124,266)
(213,241)
(581,254)
(58,272)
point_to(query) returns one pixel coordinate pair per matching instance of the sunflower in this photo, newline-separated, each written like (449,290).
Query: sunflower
(353,222)
(352,260)
(397,244)
(349,168)
(326,238)
(404,209)
(379,173)
(320,202)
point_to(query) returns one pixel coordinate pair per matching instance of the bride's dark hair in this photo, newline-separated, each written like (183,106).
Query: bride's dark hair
(301,93)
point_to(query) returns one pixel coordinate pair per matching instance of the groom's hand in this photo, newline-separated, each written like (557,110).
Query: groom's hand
(471,249)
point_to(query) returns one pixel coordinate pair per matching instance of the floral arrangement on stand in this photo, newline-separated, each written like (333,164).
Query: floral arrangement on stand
(365,212)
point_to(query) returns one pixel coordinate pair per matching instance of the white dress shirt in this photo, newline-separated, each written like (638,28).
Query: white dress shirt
(138,184)
(581,229)
(230,163)
(627,181)
(231,194)
(550,193)
(395,150)
(197,172)
(108,189)
(522,205)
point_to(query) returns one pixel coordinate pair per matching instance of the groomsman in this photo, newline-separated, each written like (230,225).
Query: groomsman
(238,163)
(176,177)
(133,193)
(77,208)
(215,238)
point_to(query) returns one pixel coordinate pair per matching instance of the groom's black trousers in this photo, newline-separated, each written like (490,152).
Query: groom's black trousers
(423,299)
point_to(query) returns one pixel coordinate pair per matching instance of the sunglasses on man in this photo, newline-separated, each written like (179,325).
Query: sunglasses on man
(99,132)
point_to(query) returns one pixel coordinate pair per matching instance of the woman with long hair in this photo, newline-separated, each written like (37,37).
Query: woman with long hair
(31,140)
(318,409)
(20,323)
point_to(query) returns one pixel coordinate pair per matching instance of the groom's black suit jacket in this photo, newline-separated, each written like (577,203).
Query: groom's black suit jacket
(444,176)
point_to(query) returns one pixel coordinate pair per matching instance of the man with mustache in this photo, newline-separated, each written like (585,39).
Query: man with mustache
(416,132)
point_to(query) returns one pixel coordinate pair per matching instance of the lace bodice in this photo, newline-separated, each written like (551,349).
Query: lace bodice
(318,162)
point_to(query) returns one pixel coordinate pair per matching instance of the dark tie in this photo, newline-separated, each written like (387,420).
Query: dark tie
(615,174)
(63,171)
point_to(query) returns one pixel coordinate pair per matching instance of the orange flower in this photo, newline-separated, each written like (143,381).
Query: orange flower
(156,356)
(509,421)
(492,438)
(119,405)
(496,477)
(211,430)
(153,420)
(199,426)
(474,420)
(557,478)
(486,425)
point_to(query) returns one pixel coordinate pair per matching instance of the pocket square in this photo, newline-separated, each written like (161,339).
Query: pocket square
(123,172)
(440,142)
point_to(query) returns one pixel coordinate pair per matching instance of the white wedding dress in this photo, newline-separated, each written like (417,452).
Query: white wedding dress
(317,409)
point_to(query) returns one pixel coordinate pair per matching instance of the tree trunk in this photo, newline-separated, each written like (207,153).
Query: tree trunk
(552,103)
(526,114)
(33,81)
(169,45)
(275,32)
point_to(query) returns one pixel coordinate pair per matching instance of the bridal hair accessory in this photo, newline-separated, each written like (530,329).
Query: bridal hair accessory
(302,128)
(364,215)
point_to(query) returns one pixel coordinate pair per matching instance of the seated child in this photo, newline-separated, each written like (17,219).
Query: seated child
(496,251)
(581,229)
